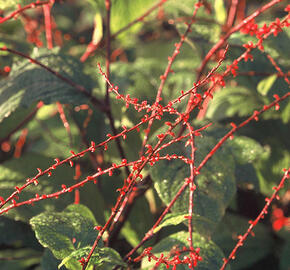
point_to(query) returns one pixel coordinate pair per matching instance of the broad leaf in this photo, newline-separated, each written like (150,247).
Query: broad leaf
(245,149)
(200,224)
(65,232)
(28,82)
(230,102)
(265,85)
(215,184)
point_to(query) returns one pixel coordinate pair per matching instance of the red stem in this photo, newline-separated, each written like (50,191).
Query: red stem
(21,9)
(47,22)
(264,211)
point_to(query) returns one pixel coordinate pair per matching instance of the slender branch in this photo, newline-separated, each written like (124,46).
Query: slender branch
(21,9)
(232,13)
(78,87)
(264,211)
(47,21)
(168,70)
(107,98)
(223,39)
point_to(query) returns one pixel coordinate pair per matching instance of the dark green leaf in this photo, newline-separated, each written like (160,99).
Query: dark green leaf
(229,102)
(16,233)
(29,82)
(285,260)
(265,85)
(16,259)
(245,149)
(215,184)
(200,224)
(48,261)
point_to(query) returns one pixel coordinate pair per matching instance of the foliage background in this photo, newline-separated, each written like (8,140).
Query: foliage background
(251,164)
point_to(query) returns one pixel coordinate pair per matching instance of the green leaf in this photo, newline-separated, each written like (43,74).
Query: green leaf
(200,224)
(265,85)
(48,261)
(102,257)
(220,11)
(98,30)
(229,102)
(254,248)
(28,82)
(215,184)
(285,115)
(211,254)
(19,258)
(16,233)
(64,232)
(245,149)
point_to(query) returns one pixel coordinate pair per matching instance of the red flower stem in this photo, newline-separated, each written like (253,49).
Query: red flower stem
(168,70)
(21,9)
(150,233)
(264,211)
(67,189)
(122,196)
(78,87)
(232,13)
(107,97)
(67,160)
(234,129)
(192,186)
(47,21)
(279,70)
(156,147)
(20,143)
(223,39)
(34,180)
(104,143)
(65,122)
